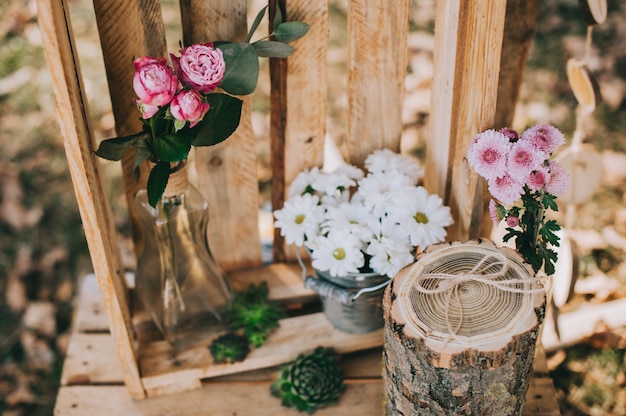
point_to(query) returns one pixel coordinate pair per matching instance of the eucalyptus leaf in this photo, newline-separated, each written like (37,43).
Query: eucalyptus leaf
(278,17)
(273,49)
(256,23)
(290,31)
(242,68)
(220,122)
(114,149)
(173,147)
(157,181)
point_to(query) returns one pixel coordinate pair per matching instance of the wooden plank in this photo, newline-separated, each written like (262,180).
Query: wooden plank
(91,359)
(89,314)
(227,172)
(161,367)
(478,26)
(582,323)
(217,399)
(93,206)
(298,103)
(128,30)
(377,62)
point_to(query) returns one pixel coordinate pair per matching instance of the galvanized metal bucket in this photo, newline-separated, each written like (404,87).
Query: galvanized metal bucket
(351,303)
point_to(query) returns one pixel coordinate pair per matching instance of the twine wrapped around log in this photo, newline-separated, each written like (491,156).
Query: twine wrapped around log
(461,326)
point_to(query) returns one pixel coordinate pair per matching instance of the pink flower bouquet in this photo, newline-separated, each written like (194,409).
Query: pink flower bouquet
(180,106)
(525,183)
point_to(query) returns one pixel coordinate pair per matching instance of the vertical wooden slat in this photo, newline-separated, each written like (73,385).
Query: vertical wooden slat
(94,208)
(519,29)
(476,27)
(227,174)
(128,29)
(377,62)
(298,107)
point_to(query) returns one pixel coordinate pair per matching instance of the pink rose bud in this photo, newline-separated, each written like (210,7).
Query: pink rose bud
(187,105)
(147,111)
(200,66)
(154,82)
(512,221)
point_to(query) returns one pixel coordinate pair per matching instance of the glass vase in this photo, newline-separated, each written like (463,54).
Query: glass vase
(177,279)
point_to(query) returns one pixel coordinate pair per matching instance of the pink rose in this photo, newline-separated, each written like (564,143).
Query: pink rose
(154,82)
(187,105)
(200,66)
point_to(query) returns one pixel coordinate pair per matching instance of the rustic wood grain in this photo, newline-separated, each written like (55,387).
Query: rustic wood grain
(489,368)
(128,30)
(377,62)
(468,44)
(298,103)
(97,389)
(227,174)
(92,203)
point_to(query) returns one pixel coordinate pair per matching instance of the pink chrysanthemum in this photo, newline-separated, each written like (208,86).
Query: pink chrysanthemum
(512,221)
(544,138)
(537,179)
(487,154)
(506,189)
(496,212)
(511,134)
(522,159)
(559,179)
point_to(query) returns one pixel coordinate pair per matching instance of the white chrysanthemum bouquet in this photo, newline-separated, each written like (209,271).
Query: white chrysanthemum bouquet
(353,222)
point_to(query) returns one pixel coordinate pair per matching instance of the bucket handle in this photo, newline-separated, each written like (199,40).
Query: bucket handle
(331,290)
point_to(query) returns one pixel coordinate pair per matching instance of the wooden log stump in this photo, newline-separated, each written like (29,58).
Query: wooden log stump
(461,326)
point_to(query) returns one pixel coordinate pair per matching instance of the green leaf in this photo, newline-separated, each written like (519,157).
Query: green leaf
(255,24)
(173,147)
(278,17)
(273,49)
(220,122)
(114,149)
(157,181)
(549,201)
(290,31)
(242,68)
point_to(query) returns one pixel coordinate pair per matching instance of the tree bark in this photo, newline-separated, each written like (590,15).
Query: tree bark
(468,348)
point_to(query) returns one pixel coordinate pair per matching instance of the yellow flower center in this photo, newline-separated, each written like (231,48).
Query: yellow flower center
(339,254)
(300,218)
(421,218)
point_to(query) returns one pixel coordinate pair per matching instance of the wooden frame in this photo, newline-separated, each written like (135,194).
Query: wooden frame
(377,60)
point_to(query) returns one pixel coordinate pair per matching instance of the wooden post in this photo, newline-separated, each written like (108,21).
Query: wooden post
(227,174)
(377,62)
(128,30)
(459,340)
(94,208)
(468,45)
(298,103)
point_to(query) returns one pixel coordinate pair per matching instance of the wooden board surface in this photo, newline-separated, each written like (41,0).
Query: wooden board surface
(377,62)
(93,205)
(92,382)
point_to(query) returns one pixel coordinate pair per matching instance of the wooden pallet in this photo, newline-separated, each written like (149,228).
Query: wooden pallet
(92,381)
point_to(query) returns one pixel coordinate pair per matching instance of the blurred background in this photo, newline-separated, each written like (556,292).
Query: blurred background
(43,252)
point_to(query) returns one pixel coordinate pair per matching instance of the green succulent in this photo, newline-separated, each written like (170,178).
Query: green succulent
(230,348)
(253,313)
(312,381)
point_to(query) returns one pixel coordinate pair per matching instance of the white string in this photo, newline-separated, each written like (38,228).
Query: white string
(451,283)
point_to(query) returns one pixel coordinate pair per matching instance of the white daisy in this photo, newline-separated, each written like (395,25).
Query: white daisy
(377,190)
(423,215)
(339,253)
(333,183)
(352,217)
(303,183)
(390,249)
(299,218)
(386,160)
